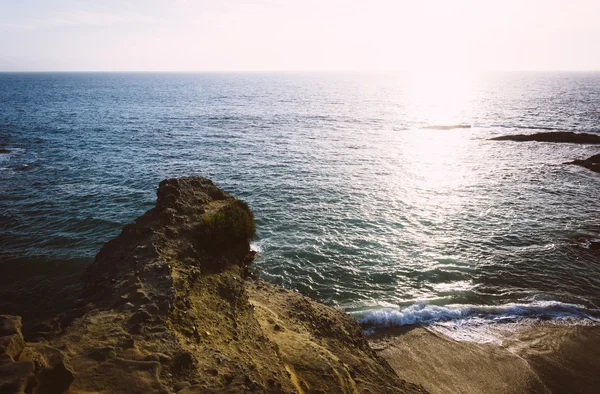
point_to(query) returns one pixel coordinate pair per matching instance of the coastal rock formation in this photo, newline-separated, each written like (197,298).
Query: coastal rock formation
(591,163)
(555,136)
(169,306)
(32,368)
(15,375)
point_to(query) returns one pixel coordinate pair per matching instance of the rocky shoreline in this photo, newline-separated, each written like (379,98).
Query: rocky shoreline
(169,306)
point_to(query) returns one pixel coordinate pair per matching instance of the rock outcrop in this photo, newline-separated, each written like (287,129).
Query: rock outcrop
(15,376)
(30,368)
(591,163)
(169,306)
(554,136)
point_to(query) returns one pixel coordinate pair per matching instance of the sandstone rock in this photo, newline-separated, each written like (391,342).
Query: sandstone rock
(139,317)
(101,354)
(127,343)
(183,360)
(12,345)
(16,377)
(6,359)
(160,357)
(53,370)
(183,264)
(181,385)
(129,376)
(48,328)
(10,325)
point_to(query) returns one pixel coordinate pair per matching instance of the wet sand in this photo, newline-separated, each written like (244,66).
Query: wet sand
(541,358)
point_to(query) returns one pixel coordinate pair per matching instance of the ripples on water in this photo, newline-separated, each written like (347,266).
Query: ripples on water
(363,196)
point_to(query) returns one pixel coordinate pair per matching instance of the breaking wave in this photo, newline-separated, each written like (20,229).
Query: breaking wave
(424,314)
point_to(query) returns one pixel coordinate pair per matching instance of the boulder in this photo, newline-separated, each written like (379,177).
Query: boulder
(53,369)
(10,325)
(17,377)
(12,345)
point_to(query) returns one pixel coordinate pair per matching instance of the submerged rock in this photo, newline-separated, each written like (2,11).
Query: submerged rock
(169,303)
(554,136)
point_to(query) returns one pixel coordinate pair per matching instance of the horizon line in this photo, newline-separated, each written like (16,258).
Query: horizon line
(305,71)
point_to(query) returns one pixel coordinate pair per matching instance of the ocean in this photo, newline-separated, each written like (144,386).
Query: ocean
(377,193)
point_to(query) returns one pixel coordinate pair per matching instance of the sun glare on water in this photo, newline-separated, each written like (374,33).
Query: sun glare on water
(440,98)
(441,103)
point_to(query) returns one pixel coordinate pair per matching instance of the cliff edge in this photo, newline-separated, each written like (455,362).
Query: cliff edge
(169,306)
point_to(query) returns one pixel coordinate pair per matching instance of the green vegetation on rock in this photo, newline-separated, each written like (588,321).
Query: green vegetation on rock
(235,222)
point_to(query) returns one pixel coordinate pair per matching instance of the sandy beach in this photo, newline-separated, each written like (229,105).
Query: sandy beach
(540,358)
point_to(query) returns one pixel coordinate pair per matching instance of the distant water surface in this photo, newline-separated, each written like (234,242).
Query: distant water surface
(377,193)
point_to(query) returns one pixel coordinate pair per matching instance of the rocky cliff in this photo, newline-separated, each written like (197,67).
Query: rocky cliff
(169,306)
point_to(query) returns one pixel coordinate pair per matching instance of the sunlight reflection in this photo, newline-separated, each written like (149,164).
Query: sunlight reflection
(435,157)
(440,98)
(441,102)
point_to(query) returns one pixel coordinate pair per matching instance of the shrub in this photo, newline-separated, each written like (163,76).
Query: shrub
(232,224)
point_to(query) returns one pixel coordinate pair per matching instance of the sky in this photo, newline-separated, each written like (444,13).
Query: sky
(299,35)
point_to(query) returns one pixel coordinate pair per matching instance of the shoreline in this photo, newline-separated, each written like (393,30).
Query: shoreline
(169,305)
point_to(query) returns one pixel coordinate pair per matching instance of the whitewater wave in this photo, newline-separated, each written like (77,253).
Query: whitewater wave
(256,247)
(424,314)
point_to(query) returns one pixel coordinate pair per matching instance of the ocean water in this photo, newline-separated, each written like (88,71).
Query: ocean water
(376,193)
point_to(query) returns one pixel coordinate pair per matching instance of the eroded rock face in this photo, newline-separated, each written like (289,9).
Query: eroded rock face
(33,368)
(53,370)
(15,375)
(168,305)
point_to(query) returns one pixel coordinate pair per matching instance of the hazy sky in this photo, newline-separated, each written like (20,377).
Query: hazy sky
(390,35)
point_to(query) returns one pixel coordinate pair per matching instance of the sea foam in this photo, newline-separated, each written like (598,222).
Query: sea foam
(469,316)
